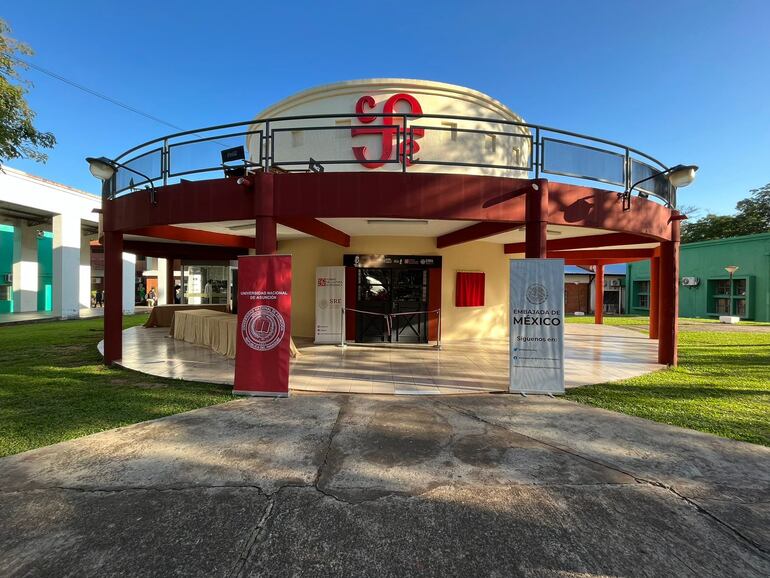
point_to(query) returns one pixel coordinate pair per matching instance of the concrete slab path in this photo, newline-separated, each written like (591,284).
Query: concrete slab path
(383,486)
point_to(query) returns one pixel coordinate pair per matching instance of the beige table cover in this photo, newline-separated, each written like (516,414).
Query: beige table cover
(161,315)
(213,329)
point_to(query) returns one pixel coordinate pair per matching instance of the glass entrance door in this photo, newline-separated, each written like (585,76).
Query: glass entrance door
(401,294)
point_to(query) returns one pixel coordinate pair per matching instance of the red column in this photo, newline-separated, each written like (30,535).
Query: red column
(669,297)
(599,295)
(266,238)
(113,296)
(265,241)
(170,281)
(537,220)
(654,296)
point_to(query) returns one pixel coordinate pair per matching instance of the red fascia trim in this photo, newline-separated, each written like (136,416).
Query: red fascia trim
(587,242)
(474,233)
(194,236)
(316,228)
(603,254)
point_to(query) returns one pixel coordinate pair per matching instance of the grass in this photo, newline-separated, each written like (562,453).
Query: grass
(644,320)
(54,387)
(722,386)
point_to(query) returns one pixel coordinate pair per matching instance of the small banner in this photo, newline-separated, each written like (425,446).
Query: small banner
(264,325)
(536,326)
(329,301)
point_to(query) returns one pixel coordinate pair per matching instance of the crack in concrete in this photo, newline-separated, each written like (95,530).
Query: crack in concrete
(251,543)
(332,434)
(640,480)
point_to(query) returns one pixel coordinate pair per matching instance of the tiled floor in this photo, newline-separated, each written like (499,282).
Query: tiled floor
(594,354)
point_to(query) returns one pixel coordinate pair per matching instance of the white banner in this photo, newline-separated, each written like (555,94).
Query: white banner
(536,326)
(329,301)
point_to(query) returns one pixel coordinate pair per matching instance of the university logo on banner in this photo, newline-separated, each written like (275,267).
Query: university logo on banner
(536,311)
(264,325)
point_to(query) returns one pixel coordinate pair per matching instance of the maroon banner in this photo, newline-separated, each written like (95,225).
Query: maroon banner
(264,325)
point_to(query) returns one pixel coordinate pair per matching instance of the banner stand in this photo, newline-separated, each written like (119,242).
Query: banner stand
(536,323)
(264,326)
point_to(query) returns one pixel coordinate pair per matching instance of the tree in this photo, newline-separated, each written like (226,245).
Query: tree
(18,136)
(753,216)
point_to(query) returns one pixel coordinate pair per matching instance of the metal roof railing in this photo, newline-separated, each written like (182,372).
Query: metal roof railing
(517,149)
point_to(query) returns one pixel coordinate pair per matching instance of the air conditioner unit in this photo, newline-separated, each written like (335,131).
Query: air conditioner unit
(615,283)
(690,281)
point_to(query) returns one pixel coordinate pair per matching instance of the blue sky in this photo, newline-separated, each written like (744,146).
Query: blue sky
(686,81)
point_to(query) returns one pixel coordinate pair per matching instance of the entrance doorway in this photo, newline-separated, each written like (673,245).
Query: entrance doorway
(398,301)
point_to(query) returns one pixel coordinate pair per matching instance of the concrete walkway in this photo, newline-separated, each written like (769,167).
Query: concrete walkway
(389,486)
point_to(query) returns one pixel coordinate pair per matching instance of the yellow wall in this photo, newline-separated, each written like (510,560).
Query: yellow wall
(490,321)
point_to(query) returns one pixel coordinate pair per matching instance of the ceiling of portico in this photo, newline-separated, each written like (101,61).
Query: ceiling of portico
(400,228)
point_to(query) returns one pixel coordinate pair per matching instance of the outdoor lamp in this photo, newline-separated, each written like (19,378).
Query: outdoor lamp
(104,169)
(731,269)
(681,175)
(678,176)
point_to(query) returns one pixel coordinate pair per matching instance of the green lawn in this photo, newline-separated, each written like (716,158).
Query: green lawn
(644,320)
(722,386)
(54,387)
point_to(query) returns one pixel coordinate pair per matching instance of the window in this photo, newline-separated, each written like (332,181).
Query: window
(729,298)
(642,294)
(722,287)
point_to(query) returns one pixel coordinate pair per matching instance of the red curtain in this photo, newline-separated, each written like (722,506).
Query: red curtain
(469,290)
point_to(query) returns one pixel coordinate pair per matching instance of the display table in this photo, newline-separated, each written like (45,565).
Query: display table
(213,329)
(161,315)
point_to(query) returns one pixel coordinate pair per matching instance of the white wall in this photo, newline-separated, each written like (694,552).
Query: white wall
(84,281)
(66,265)
(25,267)
(440,145)
(129,277)
(162,274)
(69,209)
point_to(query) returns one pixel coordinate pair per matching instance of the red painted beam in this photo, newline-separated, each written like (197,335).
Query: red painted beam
(474,233)
(602,261)
(316,228)
(602,254)
(588,242)
(182,251)
(194,236)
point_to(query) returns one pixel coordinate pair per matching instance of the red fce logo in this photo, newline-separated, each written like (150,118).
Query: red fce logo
(388,131)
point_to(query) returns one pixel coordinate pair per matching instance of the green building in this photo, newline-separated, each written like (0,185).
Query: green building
(705,289)
(44,268)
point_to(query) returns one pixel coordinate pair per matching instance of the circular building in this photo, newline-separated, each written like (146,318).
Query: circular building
(407,184)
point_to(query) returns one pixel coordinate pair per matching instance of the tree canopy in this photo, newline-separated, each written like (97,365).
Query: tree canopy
(18,136)
(753,216)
